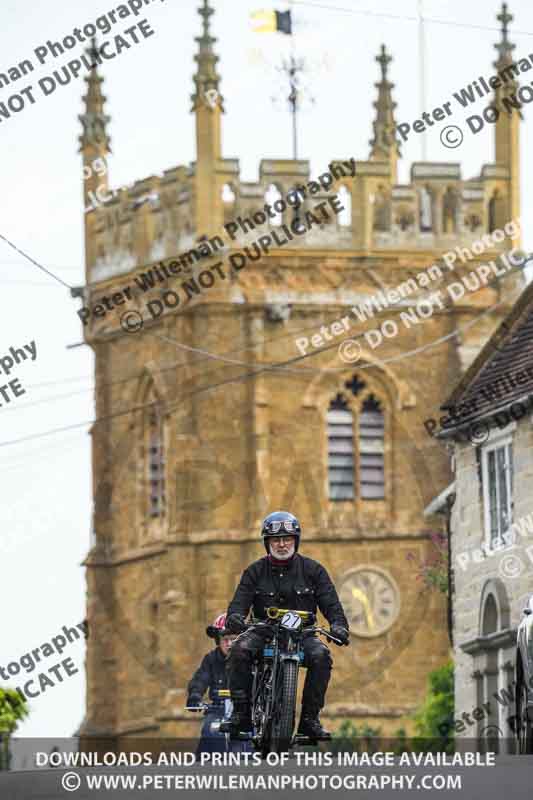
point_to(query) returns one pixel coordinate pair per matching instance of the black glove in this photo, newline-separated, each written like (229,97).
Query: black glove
(340,632)
(194,700)
(235,623)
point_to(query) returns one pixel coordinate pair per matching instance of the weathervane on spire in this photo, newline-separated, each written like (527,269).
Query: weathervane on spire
(293,68)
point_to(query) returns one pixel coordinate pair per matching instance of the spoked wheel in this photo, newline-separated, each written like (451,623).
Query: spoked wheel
(524,727)
(262,725)
(285,714)
(263,729)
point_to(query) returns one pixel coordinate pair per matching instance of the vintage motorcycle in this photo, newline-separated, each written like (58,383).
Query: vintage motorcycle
(275,680)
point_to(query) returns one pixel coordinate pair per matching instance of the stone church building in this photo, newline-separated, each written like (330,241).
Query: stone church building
(208,416)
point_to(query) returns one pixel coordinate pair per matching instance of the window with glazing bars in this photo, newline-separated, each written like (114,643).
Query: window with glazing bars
(156,464)
(499,469)
(340,450)
(371,450)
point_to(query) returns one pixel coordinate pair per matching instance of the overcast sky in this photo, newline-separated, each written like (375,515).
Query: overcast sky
(46,508)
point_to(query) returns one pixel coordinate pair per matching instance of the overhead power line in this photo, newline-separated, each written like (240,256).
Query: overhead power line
(262,369)
(362,12)
(39,266)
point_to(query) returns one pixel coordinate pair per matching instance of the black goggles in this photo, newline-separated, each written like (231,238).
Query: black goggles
(287,525)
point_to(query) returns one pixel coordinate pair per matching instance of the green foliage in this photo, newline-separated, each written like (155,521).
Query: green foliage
(436,713)
(434,716)
(349,738)
(13,709)
(400,742)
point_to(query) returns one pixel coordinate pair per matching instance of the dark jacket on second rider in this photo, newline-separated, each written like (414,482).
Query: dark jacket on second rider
(211,674)
(302,584)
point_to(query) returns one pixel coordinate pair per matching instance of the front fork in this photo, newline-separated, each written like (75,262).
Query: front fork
(272,682)
(291,654)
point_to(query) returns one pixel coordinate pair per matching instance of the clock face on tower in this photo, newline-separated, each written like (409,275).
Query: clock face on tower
(371,600)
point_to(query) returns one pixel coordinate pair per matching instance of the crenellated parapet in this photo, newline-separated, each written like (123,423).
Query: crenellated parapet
(154,218)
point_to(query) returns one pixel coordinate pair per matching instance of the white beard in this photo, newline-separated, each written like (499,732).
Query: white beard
(285,556)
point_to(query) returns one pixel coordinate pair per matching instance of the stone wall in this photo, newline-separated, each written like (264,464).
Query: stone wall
(480,671)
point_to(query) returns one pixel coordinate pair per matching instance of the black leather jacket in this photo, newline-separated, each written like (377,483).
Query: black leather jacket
(211,674)
(302,584)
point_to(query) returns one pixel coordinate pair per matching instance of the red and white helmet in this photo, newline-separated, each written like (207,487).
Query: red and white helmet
(218,628)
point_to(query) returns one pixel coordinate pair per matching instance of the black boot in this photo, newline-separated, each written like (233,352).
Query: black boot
(241,717)
(311,726)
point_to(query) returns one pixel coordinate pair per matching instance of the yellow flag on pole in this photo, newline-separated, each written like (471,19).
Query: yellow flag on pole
(271,21)
(264,21)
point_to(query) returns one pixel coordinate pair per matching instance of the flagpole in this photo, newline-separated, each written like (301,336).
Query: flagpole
(294,92)
(422,68)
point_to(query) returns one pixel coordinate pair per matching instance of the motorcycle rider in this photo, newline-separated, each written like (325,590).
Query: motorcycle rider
(285,579)
(211,674)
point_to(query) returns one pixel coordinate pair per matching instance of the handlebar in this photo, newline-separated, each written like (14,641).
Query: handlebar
(201,707)
(220,694)
(312,629)
(330,637)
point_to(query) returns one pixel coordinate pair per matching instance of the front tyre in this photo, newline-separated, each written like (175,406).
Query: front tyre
(261,720)
(285,713)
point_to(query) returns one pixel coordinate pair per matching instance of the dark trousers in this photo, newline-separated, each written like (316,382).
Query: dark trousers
(317,659)
(211,741)
(215,742)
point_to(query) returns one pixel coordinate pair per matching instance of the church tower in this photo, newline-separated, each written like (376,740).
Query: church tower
(227,385)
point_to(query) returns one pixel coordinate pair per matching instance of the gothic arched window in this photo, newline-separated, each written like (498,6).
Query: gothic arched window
(340,450)
(356,461)
(371,450)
